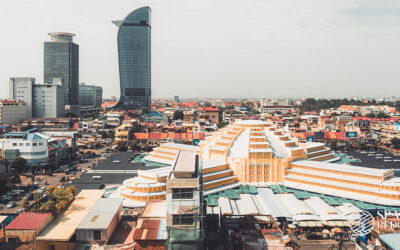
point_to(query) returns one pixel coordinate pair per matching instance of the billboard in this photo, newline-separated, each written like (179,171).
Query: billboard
(310,138)
(351,134)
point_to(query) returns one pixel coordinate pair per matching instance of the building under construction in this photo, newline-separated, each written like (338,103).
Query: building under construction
(185,211)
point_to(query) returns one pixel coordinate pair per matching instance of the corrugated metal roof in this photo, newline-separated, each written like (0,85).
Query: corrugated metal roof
(270,202)
(149,224)
(101,215)
(28,221)
(151,230)
(392,240)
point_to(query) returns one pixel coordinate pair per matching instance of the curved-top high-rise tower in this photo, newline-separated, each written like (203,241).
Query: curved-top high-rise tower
(134,57)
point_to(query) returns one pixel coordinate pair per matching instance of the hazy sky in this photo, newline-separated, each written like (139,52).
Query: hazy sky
(220,48)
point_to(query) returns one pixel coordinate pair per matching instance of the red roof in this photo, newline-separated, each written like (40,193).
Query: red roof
(28,220)
(143,136)
(357,118)
(145,234)
(177,136)
(340,135)
(154,136)
(150,224)
(211,109)
(11,101)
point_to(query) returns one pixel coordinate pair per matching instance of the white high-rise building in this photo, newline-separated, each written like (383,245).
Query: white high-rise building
(21,89)
(48,101)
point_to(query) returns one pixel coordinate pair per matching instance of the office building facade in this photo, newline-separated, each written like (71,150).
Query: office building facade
(90,95)
(12,111)
(21,89)
(134,56)
(48,101)
(61,61)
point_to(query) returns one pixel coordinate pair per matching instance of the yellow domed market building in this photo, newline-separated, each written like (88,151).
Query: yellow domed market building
(261,153)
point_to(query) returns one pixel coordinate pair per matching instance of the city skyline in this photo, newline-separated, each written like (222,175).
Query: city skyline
(255,49)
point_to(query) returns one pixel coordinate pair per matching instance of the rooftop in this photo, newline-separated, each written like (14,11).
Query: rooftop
(101,215)
(391,240)
(185,162)
(250,122)
(155,209)
(64,225)
(342,167)
(28,221)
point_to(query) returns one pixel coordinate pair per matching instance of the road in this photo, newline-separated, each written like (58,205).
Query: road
(46,180)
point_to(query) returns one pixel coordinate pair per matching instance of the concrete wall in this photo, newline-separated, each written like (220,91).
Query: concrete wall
(58,245)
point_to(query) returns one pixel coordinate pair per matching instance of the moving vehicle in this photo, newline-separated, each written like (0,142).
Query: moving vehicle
(11,204)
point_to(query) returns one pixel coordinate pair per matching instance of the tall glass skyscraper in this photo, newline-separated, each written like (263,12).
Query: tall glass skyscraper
(134,57)
(61,60)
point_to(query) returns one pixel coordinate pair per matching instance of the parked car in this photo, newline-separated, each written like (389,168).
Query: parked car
(29,196)
(6,197)
(17,191)
(19,210)
(11,204)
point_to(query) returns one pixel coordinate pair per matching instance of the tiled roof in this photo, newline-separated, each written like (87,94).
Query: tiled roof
(142,136)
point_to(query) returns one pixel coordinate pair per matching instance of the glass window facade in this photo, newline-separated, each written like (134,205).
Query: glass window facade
(134,56)
(90,95)
(61,60)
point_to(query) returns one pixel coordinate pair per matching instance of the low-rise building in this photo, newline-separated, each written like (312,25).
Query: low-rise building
(27,226)
(30,145)
(57,235)
(212,114)
(99,224)
(151,228)
(154,117)
(184,202)
(12,111)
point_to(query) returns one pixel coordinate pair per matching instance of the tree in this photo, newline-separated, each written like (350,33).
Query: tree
(207,104)
(178,115)
(58,199)
(397,106)
(18,165)
(25,204)
(121,147)
(382,115)
(395,142)
(16,179)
